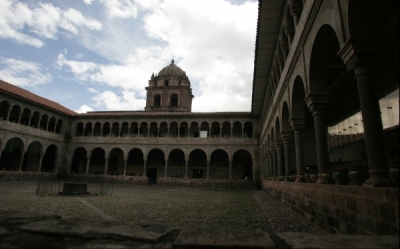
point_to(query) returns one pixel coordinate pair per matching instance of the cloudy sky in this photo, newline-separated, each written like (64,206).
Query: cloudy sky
(94,55)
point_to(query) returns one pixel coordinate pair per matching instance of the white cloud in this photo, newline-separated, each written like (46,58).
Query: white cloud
(43,21)
(23,73)
(120,8)
(79,56)
(88,2)
(111,101)
(84,109)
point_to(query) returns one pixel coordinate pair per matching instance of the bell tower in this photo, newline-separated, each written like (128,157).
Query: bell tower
(169,91)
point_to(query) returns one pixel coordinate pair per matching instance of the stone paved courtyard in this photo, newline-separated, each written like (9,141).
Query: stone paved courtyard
(177,207)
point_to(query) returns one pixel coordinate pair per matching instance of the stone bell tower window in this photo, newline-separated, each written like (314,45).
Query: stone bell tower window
(166,83)
(157,101)
(174,100)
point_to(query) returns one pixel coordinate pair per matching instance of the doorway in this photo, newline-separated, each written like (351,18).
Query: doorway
(152,175)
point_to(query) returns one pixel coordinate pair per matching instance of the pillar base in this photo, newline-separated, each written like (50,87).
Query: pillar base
(325,179)
(379,178)
(300,178)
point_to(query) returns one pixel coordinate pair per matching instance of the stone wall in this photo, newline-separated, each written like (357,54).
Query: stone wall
(342,209)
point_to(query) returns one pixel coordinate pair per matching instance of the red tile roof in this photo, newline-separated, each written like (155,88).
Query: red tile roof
(22,93)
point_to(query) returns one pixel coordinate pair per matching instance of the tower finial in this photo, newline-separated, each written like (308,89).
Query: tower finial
(172,62)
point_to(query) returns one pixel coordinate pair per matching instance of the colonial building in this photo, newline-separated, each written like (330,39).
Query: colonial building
(165,140)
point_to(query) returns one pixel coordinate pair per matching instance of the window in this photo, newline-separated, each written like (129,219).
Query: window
(157,101)
(174,100)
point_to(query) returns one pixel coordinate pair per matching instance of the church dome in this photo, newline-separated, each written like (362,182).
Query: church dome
(171,70)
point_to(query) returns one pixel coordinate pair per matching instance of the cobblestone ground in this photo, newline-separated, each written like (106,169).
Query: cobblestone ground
(174,206)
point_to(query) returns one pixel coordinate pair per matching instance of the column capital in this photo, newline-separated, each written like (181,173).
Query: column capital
(287,136)
(358,51)
(316,102)
(297,123)
(278,144)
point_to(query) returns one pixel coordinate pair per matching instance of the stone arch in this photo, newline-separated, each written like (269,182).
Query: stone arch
(106,129)
(116,162)
(14,113)
(155,157)
(134,129)
(12,153)
(215,129)
(97,129)
(52,124)
(248,129)
(115,129)
(183,129)
(176,163)
(32,157)
(219,164)
(325,65)
(163,129)
(198,163)
(44,120)
(135,163)
(79,161)
(144,129)
(173,129)
(237,129)
(25,117)
(242,164)
(285,124)
(59,126)
(50,159)
(4,106)
(226,129)
(194,129)
(97,161)
(298,95)
(35,119)
(88,129)
(79,129)
(205,127)
(153,129)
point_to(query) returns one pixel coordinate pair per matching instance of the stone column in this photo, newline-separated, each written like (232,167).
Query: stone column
(287,138)
(119,130)
(101,131)
(209,131)
(40,161)
(93,129)
(295,11)
(8,113)
(158,131)
(274,163)
(106,167)
(19,117)
(230,169)
(47,126)
(317,104)
(129,130)
(297,126)
(289,34)
(23,151)
(87,165)
(179,129)
(148,131)
(242,131)
(166,167)
(188,131)
(145,168)
(220,130)
(359,54)
(208,169)
(279,150)
(83,133)
(270,166)
(125,163)
(231,131)
(186,168)
(30,119)
(168,132)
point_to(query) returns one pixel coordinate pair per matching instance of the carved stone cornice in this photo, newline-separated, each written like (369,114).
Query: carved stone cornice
(297,123)
(316,102)
(287,136)
(359,51)
(279,144)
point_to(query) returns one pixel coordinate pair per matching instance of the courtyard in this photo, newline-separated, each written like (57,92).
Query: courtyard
(177,207)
